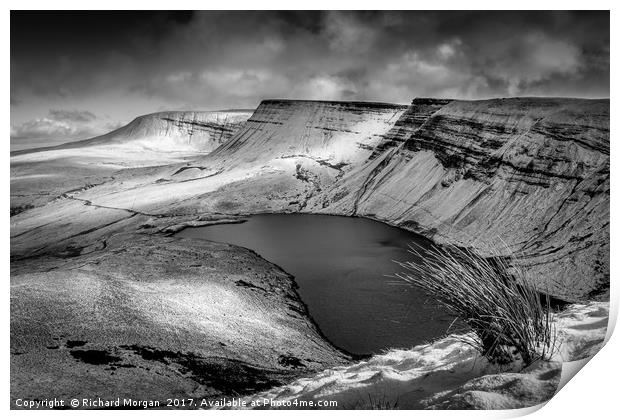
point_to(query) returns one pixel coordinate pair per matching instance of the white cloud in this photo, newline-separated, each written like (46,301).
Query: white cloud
(41,128)
(71,115)
(242,82)
(448,50)
(178,77)
(325,87)
(415,74)
(61,124)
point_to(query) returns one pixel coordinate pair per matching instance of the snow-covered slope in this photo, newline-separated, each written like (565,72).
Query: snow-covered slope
(338,133)
(532,173)
(171,131)
(177,131)
(40,175)
(448,374)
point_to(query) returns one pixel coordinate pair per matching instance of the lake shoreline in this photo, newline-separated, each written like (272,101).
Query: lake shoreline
(340,265)
(305,348)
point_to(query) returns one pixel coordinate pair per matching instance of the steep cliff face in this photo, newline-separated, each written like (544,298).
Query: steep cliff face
(339,133)
(173,131)
(288,151)
(529,173)
(410,120)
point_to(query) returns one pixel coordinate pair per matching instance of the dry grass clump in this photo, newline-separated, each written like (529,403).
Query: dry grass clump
(509,318)
(374,402)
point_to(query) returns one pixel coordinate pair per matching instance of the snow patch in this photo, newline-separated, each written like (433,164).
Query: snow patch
(449,374)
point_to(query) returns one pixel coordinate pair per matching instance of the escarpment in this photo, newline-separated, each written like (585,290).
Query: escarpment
(415,115)
(199,131)
(171,131)
(91,225)
(529,173)
(528,176)
(336,132)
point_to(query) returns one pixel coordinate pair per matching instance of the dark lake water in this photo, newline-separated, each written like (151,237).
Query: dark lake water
(340,265)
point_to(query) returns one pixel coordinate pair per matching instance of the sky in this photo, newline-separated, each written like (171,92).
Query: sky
(75,75)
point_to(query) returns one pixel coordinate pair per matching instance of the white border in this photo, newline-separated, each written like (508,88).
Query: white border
(592,394)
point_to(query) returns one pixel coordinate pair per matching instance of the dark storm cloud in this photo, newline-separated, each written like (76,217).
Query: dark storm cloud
(213,60)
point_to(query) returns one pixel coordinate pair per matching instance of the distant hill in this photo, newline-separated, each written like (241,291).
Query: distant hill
(193,131)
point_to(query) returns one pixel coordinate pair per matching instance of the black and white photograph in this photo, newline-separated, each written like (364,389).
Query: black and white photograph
(306,209)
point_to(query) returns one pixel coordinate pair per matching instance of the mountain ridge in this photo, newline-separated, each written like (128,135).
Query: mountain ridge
(92,237)
(529,172)
(217,124)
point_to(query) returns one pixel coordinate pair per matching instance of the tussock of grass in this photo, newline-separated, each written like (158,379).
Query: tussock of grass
(375,402)
(492,296)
